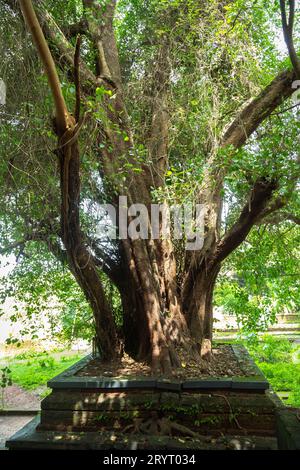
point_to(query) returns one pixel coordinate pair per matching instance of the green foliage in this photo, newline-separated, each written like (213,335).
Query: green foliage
(261,278)
(284,377)
(272,350)
(36,371)
(39,283)
(211,77)
(30,354)
(279,360)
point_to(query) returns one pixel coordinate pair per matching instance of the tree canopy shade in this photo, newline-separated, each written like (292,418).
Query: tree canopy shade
(159,101)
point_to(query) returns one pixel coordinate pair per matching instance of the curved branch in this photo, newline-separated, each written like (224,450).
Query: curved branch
(259,109)
(259,197)
(62,115)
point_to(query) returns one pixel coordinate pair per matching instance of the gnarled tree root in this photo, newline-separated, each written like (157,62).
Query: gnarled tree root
(159,427)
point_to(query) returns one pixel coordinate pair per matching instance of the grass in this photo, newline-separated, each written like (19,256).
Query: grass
(33,369)
(279,360)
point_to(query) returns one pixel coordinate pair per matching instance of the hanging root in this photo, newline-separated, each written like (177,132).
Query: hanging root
(231,411)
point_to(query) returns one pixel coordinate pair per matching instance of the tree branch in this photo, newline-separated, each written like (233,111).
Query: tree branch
(259,197)
(62,115)
(63,51)
(292,217)
(279,218)
(18,244)
(38,236)
(100,27)
(158,138)
(274,206)
(288,27)
(77,78)
(73,30)
(259,109)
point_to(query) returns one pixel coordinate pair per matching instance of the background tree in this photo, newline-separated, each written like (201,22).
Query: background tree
(260,280)
(173,101)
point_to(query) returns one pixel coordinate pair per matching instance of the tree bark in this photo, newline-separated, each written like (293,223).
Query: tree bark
(80,258)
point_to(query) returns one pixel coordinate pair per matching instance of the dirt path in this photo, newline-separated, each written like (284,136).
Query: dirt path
(16,398)
(9,425)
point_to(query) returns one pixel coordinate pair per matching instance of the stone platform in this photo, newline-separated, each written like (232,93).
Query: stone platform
(149,413)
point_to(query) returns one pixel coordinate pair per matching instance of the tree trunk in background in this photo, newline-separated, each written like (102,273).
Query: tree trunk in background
(198,305)
(135,331)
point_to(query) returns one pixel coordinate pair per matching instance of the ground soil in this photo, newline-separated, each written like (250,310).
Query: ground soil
(223,364)
(16,398)
(9,425)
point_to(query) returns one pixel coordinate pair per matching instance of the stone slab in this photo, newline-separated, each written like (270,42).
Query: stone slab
(101,383)
(250,383)
(29,439)
(288,429)
(169,385)
(202,384)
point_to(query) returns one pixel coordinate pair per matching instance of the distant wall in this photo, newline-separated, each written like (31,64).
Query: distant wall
(285,321)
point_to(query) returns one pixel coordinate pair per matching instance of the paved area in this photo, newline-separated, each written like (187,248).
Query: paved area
(9,425)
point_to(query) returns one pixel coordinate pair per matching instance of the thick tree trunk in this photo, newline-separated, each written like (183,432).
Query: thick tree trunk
(154,328)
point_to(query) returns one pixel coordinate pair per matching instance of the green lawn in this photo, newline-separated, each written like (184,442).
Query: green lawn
(279,359)
(32,370)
